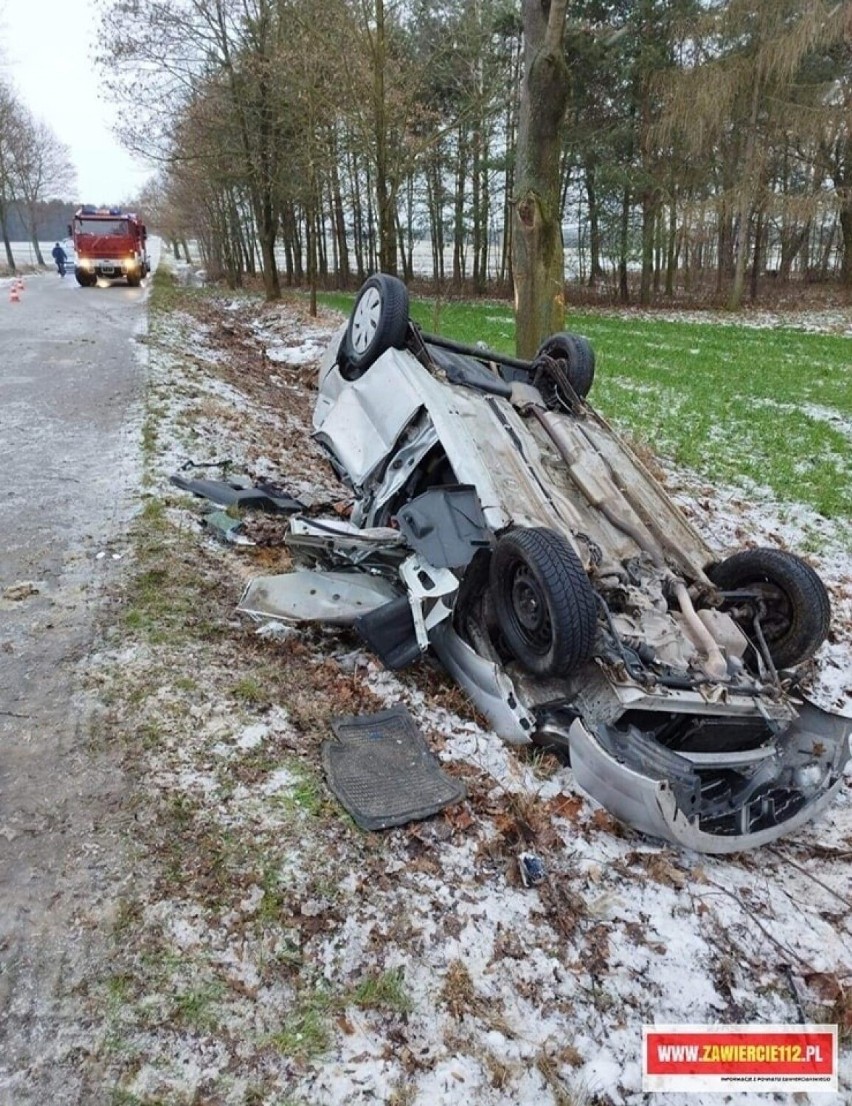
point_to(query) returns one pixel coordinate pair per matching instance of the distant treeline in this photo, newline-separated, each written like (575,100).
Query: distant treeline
(52,219)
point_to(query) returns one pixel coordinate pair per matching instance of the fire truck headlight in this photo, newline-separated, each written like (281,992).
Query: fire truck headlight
(86,263)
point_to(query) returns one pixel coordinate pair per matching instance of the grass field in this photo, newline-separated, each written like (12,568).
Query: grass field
(733,403)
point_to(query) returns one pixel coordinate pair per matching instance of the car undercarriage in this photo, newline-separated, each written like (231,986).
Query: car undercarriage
(500,523)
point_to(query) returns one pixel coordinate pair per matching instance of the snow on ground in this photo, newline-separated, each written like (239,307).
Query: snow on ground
(503,993)
(811,320)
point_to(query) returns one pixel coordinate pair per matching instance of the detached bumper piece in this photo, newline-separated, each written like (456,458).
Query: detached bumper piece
(265,497)
(382,771)
(715,802)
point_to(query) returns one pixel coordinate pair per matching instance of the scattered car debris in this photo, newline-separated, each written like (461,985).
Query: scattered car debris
(226,528)
(236,492)
(532,869)
(333,597)
(382,771)
(223,463)
(517,536)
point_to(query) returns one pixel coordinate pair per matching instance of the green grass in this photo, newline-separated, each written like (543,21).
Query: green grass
(249,690)
(306,1033)
(197,1007)
(383,992)
(726,401)
(165,290)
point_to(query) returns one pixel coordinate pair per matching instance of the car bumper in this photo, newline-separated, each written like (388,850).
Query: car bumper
(817,742)
(110,267)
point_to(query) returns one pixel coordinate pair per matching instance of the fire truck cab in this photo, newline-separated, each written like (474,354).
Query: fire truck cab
(109,244)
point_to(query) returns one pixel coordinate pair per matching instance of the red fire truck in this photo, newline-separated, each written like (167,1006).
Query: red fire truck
(109,243)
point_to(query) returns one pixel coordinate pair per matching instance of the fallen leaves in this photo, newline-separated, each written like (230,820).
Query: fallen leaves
(659,867)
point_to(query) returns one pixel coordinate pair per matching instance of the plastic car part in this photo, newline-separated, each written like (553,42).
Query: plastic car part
(789,598)
(379,322)
(544,603)
(783,791)
(445,526)
(390,633)
(383,772)
(338,542)
(266,497)
(488,686)
(532,869)
(427,586)
(226,528)
(337,598)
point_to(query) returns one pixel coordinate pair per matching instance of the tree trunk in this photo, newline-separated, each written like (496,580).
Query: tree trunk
(758,242)
(357,219)
(458,216)
(623,285)
(339,228)
(595,269)
(10,260)
(846,236)
(33,220)
(537,255)
(746,199)
(825,260)
(648,221)
(672,248)
(311,243)
(385,192)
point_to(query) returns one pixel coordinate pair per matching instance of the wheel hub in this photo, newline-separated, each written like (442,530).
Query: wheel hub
(530,608)
(365,320)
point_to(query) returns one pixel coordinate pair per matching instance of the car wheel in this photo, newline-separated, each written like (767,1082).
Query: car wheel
(379,322)
(578,357)
(543,602)
(797,608)
(83,278)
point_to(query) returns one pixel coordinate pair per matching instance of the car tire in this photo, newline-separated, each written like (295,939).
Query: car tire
(798,608)
(543,602)
(379,322)
(577,355)
(84,279)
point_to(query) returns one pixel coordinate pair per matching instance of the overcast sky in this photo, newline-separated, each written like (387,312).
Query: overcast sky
(47,50)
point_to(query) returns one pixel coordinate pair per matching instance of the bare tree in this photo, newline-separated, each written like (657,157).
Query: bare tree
(41,169)
(745,99)
(10,113)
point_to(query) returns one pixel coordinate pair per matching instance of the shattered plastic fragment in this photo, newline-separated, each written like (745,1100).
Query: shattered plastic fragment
(226,528)
(532,869)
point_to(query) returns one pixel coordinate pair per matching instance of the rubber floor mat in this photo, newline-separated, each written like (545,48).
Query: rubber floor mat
(382,772)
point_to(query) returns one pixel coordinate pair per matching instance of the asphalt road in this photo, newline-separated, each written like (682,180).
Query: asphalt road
(71,389)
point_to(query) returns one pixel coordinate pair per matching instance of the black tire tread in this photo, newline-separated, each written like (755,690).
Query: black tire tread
(579,356)
(573,607)
(805,592)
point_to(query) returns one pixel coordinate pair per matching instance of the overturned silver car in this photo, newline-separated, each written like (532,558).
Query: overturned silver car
(500,522)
